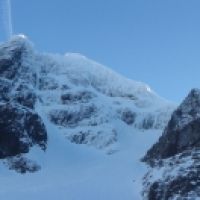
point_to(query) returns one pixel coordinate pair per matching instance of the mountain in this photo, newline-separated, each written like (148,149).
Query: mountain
(72,128)
(175,158)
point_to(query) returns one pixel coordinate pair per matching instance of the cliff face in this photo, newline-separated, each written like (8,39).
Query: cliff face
(20,125)
(175,157)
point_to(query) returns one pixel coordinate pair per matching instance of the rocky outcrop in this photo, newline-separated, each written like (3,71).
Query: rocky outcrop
(20,125)
(174,178)
(21,164)
(67,118)
(20,130)
(182,131)
(94,137)
(128,116)
(174,159)
(78,97)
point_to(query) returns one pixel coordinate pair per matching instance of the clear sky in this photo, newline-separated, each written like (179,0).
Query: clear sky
(154,41)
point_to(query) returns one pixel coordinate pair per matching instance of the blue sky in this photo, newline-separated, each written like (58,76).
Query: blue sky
(154,41)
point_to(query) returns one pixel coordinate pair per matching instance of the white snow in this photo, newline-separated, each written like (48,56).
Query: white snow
(77,172)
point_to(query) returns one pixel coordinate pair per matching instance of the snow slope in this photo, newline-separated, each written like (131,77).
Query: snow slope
(76,172)
(99,125)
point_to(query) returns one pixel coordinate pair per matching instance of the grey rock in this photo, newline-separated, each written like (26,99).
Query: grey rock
(179,177)
(176,155)
(21,164)
(20,125)
(47,83)
(69,118)
(94,138)
(20,129)
(128,116)
(78,97)
(182,131)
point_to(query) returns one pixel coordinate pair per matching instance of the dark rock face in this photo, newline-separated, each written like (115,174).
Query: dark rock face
(148,122)
(176,156)
(128,117)
(92,137)
(9,66)
(5,87)
(20,126)
(20,129)
(68,118)
(47,83)
(178,177)
(79,97)
(182,131)
(25,96)
(22,165)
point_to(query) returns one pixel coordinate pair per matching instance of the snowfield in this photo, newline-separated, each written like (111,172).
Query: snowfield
(78,172)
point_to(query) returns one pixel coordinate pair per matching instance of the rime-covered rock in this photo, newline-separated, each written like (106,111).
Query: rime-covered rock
(175,158)
(20,130)
(21,127)
(182,131)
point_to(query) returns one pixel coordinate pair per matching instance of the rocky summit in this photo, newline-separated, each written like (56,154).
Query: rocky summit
(175,158)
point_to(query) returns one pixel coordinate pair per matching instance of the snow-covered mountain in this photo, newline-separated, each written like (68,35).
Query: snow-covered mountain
(93,124)
(175,158)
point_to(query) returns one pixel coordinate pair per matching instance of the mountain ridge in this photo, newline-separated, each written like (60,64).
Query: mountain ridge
(174,159)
